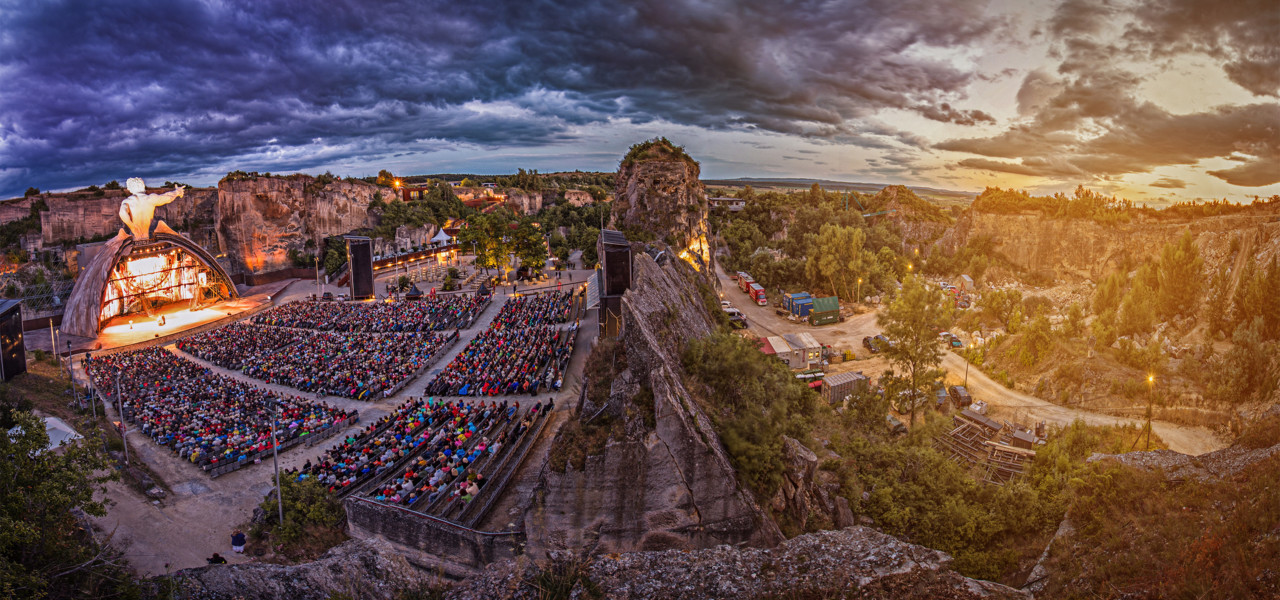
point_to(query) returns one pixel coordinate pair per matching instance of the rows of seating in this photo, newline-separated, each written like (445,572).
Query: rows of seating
(352,365)
(508,361)
(433,313)
(551,308)
(377,449)
(231,346)
(211,420)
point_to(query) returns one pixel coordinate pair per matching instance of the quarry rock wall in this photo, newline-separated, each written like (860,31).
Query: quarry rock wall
(76,215)
(1074,250)
(260,219)
(668,487)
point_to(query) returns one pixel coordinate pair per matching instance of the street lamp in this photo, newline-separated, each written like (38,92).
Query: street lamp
(275,460)
(1151,386)
(859,298)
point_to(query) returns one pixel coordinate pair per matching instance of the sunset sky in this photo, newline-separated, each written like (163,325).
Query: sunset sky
(1151,100)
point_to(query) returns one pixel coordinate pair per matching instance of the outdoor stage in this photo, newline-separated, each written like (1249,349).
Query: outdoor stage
(179,321)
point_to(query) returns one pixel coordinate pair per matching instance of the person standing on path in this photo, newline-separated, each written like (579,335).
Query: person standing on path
(237,542)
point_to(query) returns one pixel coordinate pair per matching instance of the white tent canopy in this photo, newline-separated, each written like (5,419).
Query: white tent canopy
(441,238)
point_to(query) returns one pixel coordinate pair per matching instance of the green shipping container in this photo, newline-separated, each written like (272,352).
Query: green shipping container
(825,311)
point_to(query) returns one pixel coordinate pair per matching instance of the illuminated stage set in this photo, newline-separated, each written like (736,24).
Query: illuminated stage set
(154,276)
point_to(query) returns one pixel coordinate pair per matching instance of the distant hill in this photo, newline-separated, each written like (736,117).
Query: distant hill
(938,195)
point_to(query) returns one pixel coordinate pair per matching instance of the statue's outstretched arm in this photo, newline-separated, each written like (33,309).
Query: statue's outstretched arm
(167,197)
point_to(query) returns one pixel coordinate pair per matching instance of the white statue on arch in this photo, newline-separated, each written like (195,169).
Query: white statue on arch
(138,210)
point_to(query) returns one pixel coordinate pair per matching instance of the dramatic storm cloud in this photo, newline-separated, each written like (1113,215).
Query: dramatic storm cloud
(923,91)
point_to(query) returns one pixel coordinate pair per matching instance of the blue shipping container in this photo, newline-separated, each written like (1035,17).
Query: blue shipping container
(802,308)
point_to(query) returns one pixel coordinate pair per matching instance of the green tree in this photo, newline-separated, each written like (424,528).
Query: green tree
(839,259)
(386,178)
(31,191)
(530,246)
(1109,293)
(1181,276)
(44,551)
(912,322)
(1004,306)
(1137,310)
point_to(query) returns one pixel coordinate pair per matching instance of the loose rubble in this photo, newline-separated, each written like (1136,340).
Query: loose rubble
(857,562)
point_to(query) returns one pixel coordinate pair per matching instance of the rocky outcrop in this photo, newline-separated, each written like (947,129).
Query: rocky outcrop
(12,210)
(857,562)
(524,202)
(807,493)
(261,218)
(662,195)
(78,215)
(669,486)
(369,569)
(1075,250)
(578,197)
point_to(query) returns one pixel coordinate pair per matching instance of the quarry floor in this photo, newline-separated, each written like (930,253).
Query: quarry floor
(1005,404)
(199,514)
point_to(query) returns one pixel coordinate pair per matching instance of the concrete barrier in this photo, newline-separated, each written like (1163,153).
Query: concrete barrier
(457,544)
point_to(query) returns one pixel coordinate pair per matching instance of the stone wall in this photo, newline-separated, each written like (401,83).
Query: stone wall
(456,545)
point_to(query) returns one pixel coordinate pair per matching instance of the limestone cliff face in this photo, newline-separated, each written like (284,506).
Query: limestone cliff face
(663,197)
(669,486)
(76,215)
(1077,249)
(523,202)
(260,219)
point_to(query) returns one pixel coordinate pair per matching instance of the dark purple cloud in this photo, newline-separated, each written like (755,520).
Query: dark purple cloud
(98,90)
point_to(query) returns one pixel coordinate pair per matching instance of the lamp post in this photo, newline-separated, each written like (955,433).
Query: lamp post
(316,258)
(859,297)
(123,428)
(1151,386)
(275,460)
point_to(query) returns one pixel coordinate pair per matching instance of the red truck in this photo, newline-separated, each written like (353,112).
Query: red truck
(757,293)
(744,282)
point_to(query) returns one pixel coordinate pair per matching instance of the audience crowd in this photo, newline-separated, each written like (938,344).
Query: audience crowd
(353,365)
(233,345)
(519,353)
(208,419)
(432,313)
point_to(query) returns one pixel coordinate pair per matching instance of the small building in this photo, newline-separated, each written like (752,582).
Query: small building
(1023,439)
(838,387)
(825,311)
(793,357)
(728,203)
(807,346)
(964,284)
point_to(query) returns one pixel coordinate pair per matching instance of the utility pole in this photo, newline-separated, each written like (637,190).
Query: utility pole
(71,376)
(275,460)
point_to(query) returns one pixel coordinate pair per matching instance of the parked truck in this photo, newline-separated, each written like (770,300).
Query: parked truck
(744,282)
(757,293)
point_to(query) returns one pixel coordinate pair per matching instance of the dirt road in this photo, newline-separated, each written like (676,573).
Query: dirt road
(1006,403)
